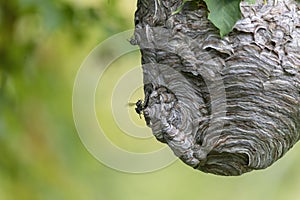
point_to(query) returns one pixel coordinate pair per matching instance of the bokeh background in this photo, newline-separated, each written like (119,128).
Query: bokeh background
(42,45)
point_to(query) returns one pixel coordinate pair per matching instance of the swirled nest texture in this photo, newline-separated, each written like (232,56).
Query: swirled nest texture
(224,105)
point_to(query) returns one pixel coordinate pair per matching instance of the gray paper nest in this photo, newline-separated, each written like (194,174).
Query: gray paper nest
(224,106)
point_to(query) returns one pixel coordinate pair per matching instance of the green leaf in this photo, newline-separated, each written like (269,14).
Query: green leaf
(180,7)
(224,14)
(251,1)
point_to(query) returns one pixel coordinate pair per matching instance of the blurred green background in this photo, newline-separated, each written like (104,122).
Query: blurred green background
(42,45)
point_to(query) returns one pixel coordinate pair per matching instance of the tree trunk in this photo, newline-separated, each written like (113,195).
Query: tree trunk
(224,106)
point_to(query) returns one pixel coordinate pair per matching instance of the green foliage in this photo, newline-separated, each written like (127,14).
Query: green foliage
(251,1)
(180,7)
(42,44)
(224,14)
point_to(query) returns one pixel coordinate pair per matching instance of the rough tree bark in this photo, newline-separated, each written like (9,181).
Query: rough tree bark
(224,106)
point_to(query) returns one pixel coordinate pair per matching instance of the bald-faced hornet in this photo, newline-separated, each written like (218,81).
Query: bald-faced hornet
(139,105)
